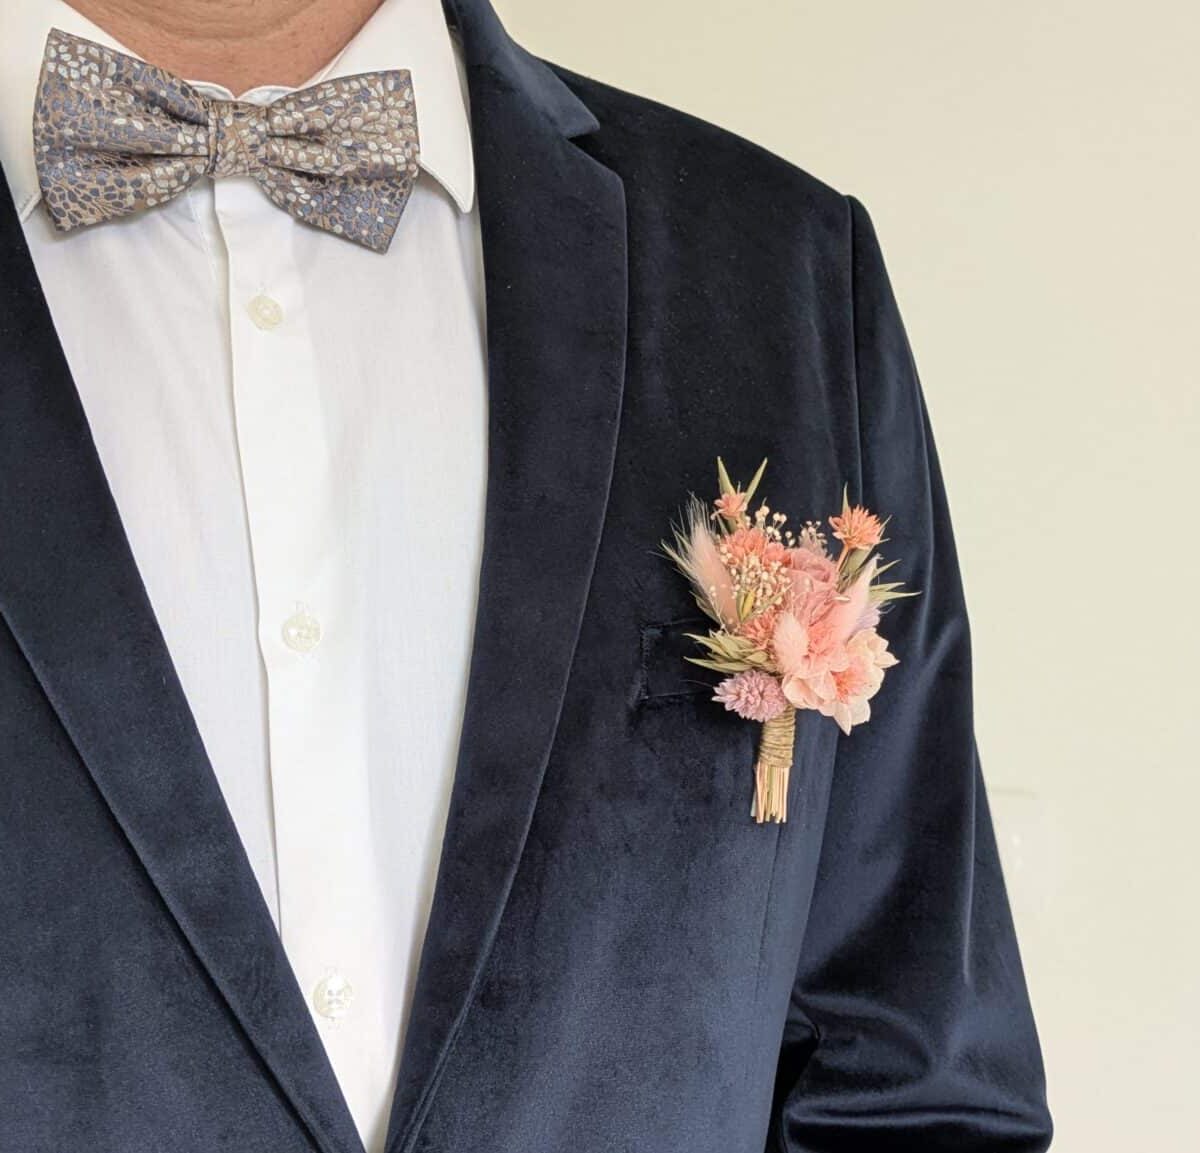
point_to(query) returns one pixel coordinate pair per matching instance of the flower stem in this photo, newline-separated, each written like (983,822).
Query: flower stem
(776,750)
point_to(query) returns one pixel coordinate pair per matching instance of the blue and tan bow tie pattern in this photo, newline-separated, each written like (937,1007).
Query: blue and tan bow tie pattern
(113,134)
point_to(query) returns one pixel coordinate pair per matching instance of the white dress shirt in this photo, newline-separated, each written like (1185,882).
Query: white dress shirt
(294,431)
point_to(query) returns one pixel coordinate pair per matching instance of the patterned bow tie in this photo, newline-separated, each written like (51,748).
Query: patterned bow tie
(113,134)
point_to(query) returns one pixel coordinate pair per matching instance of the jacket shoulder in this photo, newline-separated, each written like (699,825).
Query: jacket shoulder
(673,157)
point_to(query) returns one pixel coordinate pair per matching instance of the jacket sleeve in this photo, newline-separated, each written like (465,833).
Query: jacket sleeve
(909,1026)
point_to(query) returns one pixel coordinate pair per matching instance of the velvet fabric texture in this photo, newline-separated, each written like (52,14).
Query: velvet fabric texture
(618,957)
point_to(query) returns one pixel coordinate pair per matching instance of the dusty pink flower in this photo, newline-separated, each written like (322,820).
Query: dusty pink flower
(825,653)
(813,573)
(806,650)
(754,694)
(810,636)
(818,564)
(731,504)
(849,678)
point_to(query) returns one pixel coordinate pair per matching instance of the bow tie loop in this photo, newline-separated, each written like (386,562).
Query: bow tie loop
(114,134)
(238,135)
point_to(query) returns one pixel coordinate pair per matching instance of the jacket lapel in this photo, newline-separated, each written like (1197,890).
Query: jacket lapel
(554,246)
(74,599)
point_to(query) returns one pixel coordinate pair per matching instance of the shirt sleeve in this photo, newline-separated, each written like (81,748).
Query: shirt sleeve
(909,1026)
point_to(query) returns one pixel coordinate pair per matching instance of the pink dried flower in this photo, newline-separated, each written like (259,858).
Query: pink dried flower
(759,629)
(745,542)
(809,643)
(812,571)
(752,694)
(846,681)
(731,505)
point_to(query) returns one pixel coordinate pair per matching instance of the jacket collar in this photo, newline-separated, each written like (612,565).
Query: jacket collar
(487,45)
(554,252)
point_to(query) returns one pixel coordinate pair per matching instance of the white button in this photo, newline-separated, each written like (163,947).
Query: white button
(302,631)
(333,995)
(265,312)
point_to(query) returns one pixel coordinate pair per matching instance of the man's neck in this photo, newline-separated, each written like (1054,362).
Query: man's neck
(239,44)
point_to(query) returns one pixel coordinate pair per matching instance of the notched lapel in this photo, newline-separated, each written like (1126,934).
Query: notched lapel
(554,249)
(74,599)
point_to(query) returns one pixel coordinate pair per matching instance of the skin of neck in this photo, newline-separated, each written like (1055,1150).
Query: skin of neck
(239,44)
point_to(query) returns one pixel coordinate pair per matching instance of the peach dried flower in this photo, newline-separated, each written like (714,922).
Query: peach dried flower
(857,528)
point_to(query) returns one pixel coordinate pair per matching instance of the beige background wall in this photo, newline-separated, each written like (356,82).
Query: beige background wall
(1032,169)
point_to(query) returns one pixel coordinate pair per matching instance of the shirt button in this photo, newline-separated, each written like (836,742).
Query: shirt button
(302,631)
(333,995)
(265,312)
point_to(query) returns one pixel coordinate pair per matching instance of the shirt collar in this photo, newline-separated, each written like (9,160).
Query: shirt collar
(408,34)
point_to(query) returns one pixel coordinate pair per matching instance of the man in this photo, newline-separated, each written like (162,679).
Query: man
(356,791)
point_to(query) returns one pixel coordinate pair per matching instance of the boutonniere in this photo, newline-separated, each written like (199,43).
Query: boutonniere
(795,626)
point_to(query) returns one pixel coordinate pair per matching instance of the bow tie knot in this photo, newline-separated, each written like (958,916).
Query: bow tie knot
(114,134)
(238,135)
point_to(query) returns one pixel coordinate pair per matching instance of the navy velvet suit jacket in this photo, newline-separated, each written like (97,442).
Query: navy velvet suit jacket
(618,957)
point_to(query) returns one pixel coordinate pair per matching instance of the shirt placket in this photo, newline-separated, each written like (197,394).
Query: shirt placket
(306,625)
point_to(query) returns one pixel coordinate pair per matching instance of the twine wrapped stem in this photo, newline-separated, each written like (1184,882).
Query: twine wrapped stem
(776,749)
